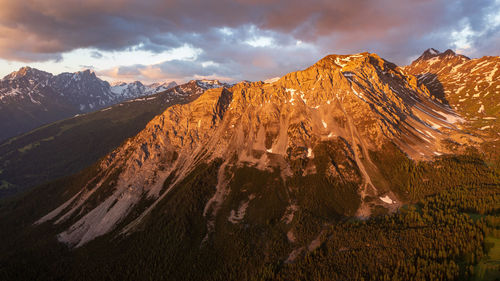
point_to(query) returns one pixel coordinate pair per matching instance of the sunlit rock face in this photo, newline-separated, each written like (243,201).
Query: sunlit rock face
(470,86)
(339,109)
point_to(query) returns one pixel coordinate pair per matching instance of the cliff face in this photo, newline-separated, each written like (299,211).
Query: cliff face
(324,120)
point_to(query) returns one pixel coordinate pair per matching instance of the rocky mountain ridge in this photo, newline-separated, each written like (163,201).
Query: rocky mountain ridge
(325,120)
(30,97)
(470,86)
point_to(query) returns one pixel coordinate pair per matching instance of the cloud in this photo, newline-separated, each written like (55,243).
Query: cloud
(96,55)
(245,39)
(231,60)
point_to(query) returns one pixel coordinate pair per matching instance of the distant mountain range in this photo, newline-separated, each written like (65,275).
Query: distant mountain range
(30,98)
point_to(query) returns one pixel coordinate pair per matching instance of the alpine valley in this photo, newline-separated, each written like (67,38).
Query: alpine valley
(352,169)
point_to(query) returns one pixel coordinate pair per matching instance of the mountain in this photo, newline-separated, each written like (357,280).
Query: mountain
(158,87)
(354,104)
(351,169)
(30,98)
(471,87)
(67,146)
(27,100)
(137,89)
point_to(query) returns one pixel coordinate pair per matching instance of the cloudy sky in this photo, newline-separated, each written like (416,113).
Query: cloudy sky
(163,40)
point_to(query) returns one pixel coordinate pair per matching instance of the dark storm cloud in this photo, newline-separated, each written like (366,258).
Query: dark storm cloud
(37,30)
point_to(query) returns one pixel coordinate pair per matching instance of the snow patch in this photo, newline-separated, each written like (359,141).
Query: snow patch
(358,95)
(451,118)
(433,51)
(309,153)
(387,199)
(492,73)
(271,80)
(237,216)
(433,60)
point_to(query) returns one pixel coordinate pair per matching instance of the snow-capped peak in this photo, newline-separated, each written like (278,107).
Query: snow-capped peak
(31,73)
(433,51)
(137,89)
(272,80)
(210,84)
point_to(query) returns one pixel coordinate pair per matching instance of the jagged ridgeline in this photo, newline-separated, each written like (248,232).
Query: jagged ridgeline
(30,98)
(295,179)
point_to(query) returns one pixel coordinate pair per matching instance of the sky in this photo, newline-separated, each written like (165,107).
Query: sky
(180,40)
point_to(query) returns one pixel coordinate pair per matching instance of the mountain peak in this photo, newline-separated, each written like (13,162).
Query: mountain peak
(348,63)
(429,54)
(433,53)
(117,83)
(137,83)
(341,60)
(28,71)
(25,69)
(87,73)
(449,52)
(209,84)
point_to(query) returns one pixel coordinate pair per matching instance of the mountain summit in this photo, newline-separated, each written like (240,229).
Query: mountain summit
(428,54)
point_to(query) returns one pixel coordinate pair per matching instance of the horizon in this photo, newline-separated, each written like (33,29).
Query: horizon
(152,41)
(112,80)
